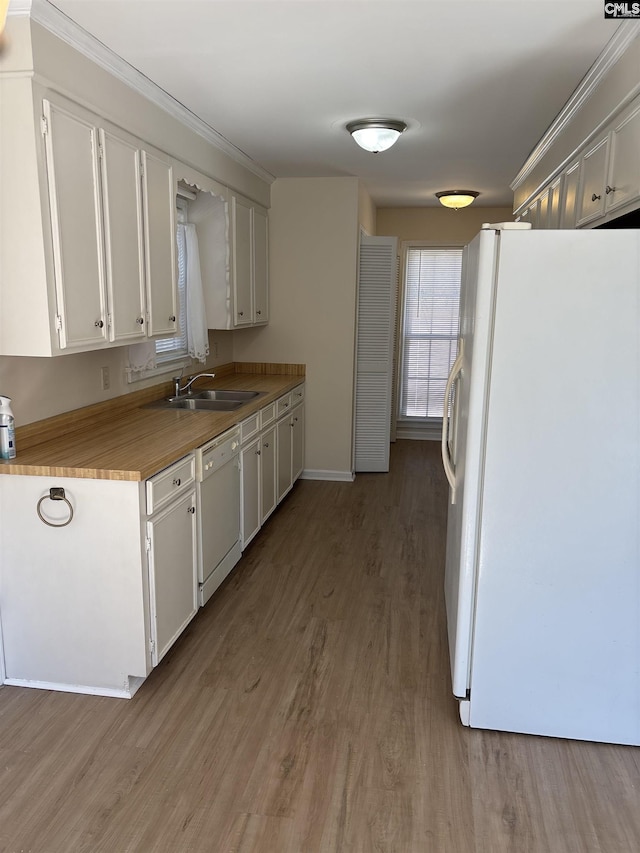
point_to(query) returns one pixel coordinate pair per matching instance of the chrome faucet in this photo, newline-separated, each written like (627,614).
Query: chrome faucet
(189,382)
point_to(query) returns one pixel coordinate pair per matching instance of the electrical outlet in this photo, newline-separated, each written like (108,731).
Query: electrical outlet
(106,379)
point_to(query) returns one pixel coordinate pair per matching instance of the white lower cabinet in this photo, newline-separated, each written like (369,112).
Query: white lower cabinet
(268,473)
(290,449)
(272,457)
(250,488)
(92,605)
(100,577)
(172,548)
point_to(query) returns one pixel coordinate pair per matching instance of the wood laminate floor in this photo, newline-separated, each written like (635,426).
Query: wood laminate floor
(307,709)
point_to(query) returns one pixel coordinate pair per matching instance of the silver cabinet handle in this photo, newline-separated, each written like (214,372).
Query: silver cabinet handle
(258,312)
(191,510)
(257,453)
(172,318)
(177,481)
(609,189)
(99,324)
(140,321)
(240,313)
(266,444)
(595,197)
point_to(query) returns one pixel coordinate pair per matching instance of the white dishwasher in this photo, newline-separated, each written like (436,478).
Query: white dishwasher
(218,479)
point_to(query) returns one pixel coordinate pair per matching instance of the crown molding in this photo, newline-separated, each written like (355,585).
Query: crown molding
(50,17)
(626,33)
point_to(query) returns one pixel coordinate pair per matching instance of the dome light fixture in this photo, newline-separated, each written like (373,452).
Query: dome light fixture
(376,134)
(457,198)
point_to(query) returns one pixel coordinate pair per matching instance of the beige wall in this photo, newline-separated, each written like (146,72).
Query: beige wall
(313,245)
(43,387)
(366,211)
(437,224)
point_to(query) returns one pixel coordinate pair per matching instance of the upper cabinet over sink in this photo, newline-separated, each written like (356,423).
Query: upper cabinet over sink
(233,248)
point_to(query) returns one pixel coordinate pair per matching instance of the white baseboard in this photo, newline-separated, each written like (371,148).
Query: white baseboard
(123,693)
(419,433)
(337,476)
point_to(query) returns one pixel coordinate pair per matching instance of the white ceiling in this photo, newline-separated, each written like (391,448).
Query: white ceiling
(477,81)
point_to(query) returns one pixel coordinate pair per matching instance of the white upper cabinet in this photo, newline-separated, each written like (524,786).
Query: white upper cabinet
(97,262)
(242,263)
(569,204)
(242,301)
(260,266)
(124,246)
(600,179)
(71,144)
(159,195)
(623,183)
(592,182)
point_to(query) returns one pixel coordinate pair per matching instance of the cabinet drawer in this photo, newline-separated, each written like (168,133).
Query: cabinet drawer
(297,395)
(267,415)
(162,487)
(283,405)
(249,427)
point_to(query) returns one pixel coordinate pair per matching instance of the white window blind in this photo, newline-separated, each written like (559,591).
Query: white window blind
(430,328)
(174,347)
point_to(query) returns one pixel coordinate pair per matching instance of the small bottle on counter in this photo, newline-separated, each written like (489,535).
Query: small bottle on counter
(7,430)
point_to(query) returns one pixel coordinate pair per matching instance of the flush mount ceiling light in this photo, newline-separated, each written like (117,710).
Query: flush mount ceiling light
(457,198)
(376,134)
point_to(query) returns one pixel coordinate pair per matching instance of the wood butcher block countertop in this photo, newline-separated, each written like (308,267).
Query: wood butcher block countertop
(120,439)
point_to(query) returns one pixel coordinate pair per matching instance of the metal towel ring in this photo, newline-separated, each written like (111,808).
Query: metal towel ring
(55,494)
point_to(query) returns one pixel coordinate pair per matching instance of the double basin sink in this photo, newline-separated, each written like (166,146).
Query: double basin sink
(207,401)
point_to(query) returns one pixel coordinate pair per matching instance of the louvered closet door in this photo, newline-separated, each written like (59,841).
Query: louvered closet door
(374,352)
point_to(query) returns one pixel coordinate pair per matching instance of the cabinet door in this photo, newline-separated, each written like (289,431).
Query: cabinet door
(297,442)
(123,235)
(260,266)
(71,146)
(172,572)
(543,210)
(159,197)
(593,178)
(242,253)
(569,206)
(268,472)
(250,486)
(555,199)
(624,171)
(284,442)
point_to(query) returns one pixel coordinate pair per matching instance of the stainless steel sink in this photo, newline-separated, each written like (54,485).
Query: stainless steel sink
(206,401)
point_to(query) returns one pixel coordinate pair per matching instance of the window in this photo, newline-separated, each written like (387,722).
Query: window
(169,349)
(430,328)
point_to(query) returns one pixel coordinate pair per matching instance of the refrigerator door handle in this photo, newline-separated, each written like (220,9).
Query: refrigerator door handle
(446,456)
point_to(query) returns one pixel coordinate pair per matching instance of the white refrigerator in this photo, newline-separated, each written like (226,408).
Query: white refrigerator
(541,446)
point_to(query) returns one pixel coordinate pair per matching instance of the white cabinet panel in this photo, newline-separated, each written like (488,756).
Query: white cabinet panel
(284,443)
(268,472)
(124,246)
(71,146)
(592,182)
(260,267)
(624,170)
(159,194)
(569,211)
(173,572)
(242,268)
(297,442)
(251,516)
